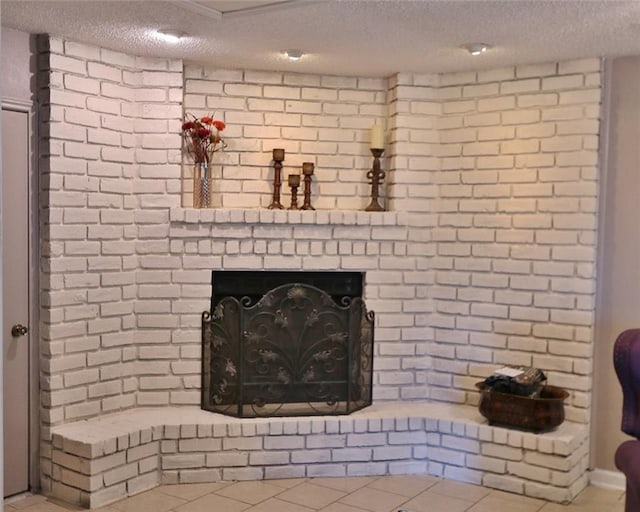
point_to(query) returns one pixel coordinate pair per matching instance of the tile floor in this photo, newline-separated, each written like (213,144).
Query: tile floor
(356,494)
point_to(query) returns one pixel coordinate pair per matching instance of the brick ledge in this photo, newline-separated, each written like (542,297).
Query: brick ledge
(102,460)
(264,216)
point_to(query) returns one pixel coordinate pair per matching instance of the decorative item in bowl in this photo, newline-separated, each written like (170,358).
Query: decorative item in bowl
(537,414)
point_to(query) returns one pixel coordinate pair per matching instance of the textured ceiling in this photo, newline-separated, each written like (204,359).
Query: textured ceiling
(344,37)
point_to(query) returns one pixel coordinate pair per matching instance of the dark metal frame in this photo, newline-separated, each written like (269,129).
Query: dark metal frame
(294,352)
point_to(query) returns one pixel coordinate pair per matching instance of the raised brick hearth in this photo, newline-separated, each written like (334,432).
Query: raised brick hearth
(103,460)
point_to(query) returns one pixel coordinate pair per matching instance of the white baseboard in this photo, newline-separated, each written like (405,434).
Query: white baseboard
(609,479)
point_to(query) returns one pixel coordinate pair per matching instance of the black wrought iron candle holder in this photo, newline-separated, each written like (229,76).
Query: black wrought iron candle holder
(375,177)
(307,172)
(278,158)
(294,183)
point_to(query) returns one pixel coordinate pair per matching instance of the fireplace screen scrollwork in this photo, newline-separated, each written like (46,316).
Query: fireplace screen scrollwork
(294,352)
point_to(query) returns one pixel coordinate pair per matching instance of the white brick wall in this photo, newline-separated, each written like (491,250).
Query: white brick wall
(101,124)
(100,119)
(518,226)
(487,257)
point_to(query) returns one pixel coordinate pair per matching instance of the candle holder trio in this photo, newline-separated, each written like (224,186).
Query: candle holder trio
(375,176)
(293,180)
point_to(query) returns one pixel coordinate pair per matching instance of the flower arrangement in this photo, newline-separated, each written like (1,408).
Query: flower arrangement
(202,137)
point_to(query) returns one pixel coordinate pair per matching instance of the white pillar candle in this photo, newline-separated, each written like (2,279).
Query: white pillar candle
(377,137)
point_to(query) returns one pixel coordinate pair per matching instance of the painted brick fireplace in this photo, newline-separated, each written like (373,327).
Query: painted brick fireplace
(485,258)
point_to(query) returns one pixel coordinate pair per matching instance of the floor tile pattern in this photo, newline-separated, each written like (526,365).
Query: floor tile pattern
(356,494)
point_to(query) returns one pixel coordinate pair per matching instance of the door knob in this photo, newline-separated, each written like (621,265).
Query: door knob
(18,330)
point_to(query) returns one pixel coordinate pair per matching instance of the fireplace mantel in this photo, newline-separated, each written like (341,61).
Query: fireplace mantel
(302,217)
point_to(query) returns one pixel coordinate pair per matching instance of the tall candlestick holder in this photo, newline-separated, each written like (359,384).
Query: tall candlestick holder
(294,183)
(278,158)
(307,172)
(375,177)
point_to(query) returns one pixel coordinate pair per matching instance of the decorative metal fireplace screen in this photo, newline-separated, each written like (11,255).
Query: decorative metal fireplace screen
(294,350)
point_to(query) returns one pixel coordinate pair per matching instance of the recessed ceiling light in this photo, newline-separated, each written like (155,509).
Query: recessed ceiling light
(170,35)
(476,48)
(294,54)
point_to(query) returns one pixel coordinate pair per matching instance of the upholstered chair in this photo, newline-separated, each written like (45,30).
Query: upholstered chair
(626,359)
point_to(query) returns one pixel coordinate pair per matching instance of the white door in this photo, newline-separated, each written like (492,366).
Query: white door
(15,298)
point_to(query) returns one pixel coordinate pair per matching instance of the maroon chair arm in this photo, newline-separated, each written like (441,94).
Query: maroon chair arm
(628,461)
(626,360)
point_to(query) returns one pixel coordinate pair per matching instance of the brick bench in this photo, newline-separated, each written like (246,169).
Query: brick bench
(102,460)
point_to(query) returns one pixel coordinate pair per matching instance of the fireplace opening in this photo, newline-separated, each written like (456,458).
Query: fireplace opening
(286,344)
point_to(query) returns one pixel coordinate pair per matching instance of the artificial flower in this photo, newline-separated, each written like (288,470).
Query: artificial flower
(202,137)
